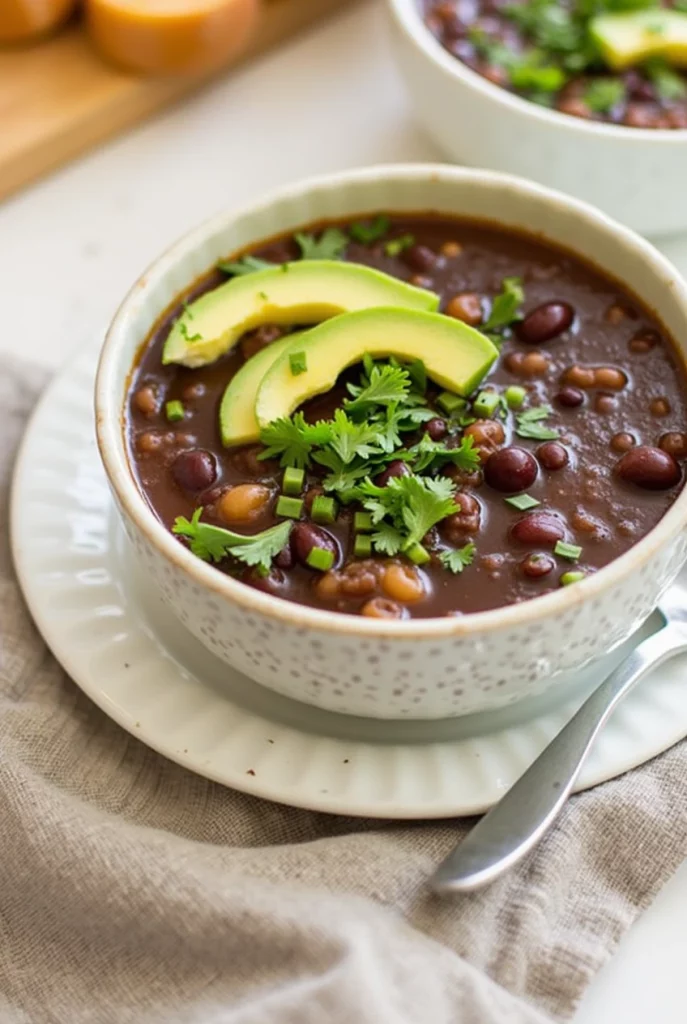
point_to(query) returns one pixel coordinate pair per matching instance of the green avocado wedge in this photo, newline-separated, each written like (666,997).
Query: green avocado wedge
(291,294)
(456,356)
(237,421)
(631,38)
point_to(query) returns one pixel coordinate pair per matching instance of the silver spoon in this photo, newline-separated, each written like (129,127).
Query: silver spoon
(516,824)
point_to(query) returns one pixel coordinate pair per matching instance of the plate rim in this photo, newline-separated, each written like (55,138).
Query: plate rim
(84,362)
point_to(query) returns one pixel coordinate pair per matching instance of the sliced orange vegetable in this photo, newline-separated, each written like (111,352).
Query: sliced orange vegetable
(171,36)
(23,20)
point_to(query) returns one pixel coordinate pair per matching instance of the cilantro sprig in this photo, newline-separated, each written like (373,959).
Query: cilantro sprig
(244,265)
(329,246)
(458,559)
(529,424)
(369,231)
(505,309)
(292,439)
(214,543)
(407,507)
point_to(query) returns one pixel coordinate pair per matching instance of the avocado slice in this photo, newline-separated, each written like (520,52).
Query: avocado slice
(456,356)
(237,422)
(304,292)
(627,39)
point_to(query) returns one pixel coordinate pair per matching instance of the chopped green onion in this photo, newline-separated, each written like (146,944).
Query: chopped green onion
(320,558)
(174,411)
(570,551)
(362,522)
(486,403)
(397,245)
(363,546)
(571,577)
(449,402)
(293,480)
(323,509)
(298,363)
(515,396)
(290,508)
(522,502)
(417,554)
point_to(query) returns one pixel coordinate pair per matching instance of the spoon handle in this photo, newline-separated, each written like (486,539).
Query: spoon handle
(517,823)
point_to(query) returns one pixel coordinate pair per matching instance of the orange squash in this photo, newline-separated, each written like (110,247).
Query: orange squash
(171,36)
(24,20)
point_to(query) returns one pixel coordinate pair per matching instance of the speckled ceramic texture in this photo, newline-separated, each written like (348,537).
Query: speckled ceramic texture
(431,668)
(637,175)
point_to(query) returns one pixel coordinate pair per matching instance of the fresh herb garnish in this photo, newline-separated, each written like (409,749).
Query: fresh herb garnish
(293,439)
(456,561)
(603,94)
(429,455)
(184,332)
(397,245)
(329,246)
(245,265)
(529,424)
(213,543)
(506,305)
(386,384)
(669,85)
(410,507)
(369,231)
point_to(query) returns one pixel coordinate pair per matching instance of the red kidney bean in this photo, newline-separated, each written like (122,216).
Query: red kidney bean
(396,468)
(436,428)
(466,521)
(420,258)
(195,470)
(552,456)
(537,565)
(510,470)
(675,443)
(545,322)
(638,88)
(538,529)
(570,398)
(285,558)
(650,468)
(306,536)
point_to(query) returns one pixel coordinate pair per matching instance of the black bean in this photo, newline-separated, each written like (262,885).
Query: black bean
(511,470)
(570,398)
(420,258)
(436,428)
(649,468)
(195,470)
(545,322)
(396,468)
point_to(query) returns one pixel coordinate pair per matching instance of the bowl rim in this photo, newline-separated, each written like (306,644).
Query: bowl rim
(409,19)
(111,438)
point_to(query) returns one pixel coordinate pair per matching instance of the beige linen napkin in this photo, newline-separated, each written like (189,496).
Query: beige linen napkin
(133,891)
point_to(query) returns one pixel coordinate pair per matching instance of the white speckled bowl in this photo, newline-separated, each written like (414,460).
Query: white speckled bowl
(636,175)
(422,668)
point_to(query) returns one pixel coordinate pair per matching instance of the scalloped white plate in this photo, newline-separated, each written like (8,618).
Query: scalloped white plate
(137,663)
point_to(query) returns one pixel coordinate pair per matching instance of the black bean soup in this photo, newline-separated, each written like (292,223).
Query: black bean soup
(543,50)
(577,448)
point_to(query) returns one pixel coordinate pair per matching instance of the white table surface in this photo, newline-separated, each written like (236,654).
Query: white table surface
(71,245)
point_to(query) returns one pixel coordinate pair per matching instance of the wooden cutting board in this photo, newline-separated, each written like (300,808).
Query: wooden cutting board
(58,98)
